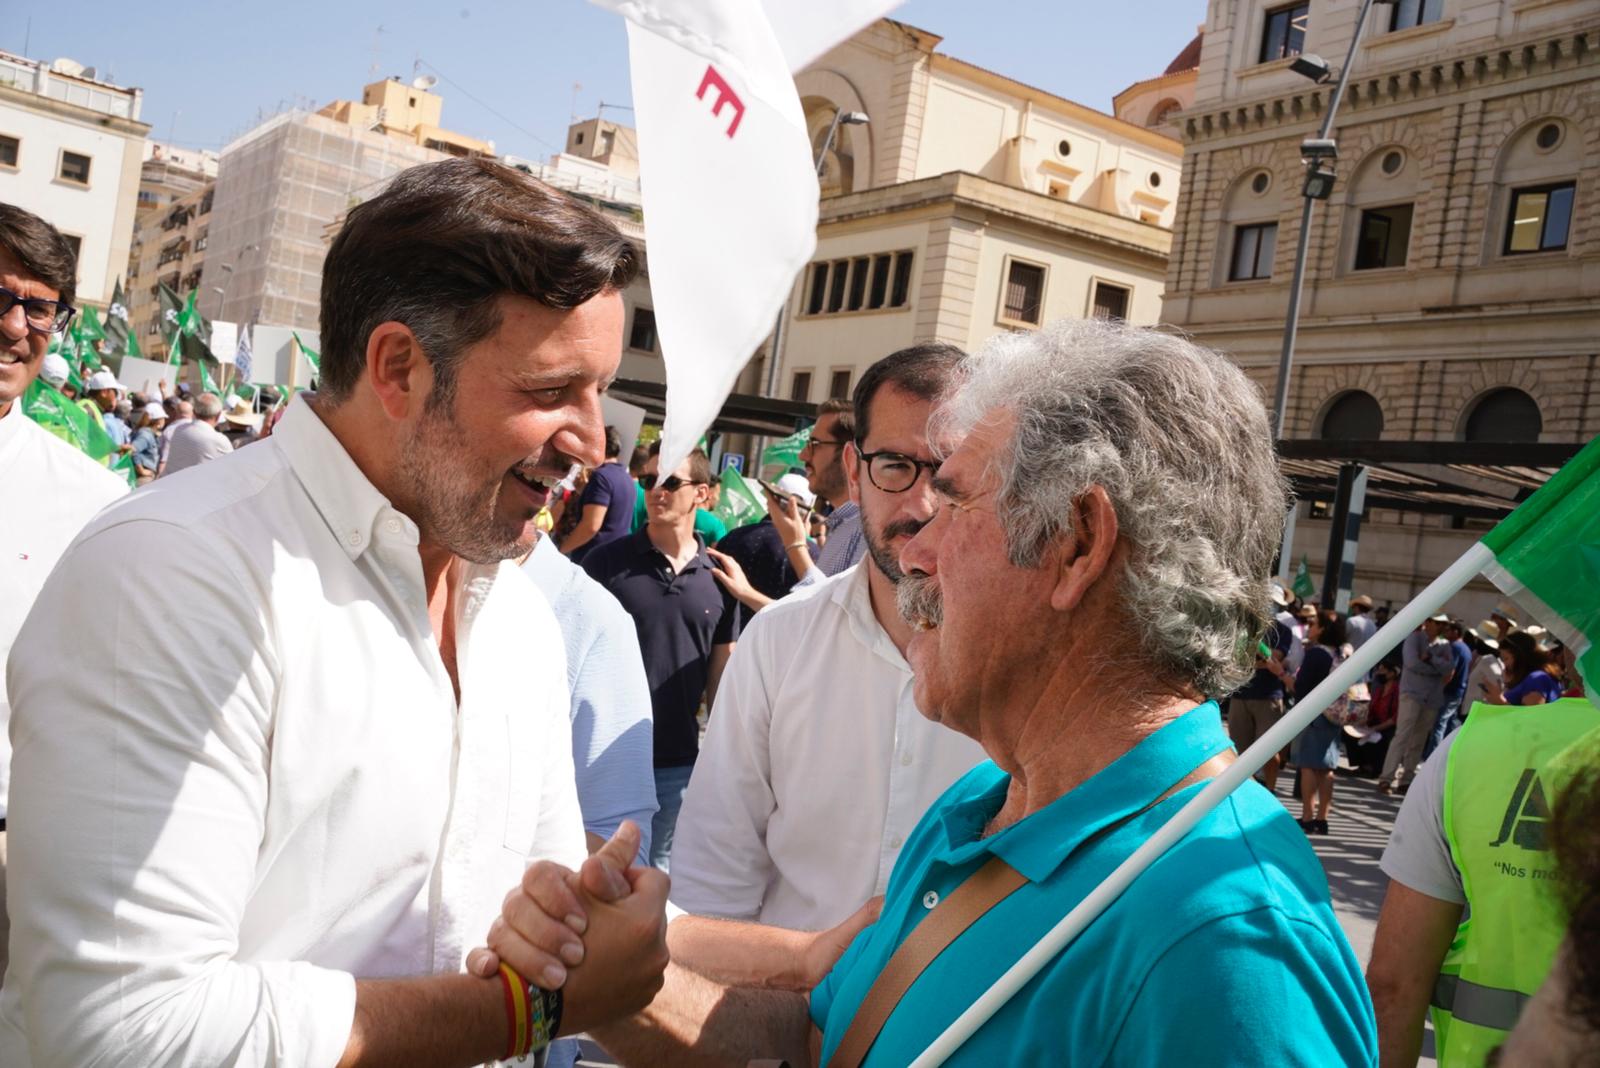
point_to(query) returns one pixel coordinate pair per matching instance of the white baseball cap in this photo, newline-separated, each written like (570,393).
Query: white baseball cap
(104,379)
(54,369)
(795,485)
(155,411)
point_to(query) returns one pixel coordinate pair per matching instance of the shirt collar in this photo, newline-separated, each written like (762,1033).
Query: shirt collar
(700,559)
(847,510)
(1041,843)
(854,596)
(348,502)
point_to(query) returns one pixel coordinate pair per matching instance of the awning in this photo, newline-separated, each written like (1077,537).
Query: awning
(742,413)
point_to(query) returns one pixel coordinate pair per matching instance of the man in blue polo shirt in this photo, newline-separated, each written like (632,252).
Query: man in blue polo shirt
(1095,570)
(687,624)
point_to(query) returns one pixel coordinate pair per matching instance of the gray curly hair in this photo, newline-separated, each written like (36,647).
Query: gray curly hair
(1178,438)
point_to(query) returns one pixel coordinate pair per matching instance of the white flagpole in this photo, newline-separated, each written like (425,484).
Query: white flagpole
(1294,721)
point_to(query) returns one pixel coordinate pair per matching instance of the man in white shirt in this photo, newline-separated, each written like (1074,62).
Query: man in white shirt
(48,489)
(180,413)
(198,440)
(314,753)
(816,763)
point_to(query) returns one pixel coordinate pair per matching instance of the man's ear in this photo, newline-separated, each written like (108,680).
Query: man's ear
(1080,563)
(398,370)
(850,457)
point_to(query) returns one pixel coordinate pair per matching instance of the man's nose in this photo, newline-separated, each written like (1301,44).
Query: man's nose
(920,554)
(584,436)
(15,321)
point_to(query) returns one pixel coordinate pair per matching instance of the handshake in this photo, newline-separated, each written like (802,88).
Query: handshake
(599,934)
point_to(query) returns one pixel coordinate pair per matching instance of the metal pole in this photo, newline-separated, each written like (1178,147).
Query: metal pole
(1291,324)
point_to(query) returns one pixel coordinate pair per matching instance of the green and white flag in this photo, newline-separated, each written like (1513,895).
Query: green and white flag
(1302,585)
(1547,559)
(741,502)
(312,356)
(118,327)
(786,451)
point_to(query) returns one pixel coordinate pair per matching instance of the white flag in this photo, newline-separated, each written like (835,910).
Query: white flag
(728,182)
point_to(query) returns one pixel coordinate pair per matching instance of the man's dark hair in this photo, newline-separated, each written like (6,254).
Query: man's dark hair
(844,413)
(613,443)
(1334,632)
(636,461)
(40,250)
(436,248)
(699,464)
(925,371)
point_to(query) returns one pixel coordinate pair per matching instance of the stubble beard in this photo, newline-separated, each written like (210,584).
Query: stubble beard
(455,505)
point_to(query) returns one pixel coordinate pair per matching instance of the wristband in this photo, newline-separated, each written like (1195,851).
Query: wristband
(544,1020)
(517,1014)
(796,545)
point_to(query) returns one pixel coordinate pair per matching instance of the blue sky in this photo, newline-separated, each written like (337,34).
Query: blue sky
(507,70)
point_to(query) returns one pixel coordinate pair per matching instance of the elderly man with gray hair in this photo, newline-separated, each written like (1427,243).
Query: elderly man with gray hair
(199,439)
(1095,576)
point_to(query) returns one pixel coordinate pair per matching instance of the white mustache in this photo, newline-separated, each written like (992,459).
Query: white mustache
(920,602)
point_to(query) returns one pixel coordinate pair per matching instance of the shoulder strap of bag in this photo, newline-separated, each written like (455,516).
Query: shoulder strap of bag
(980,892)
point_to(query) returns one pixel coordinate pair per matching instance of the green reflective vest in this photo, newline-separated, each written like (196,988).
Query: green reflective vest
(1498,789)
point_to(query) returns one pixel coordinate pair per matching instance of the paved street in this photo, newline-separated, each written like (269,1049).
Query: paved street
(1358,829)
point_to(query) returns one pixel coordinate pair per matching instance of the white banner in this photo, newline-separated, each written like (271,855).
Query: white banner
(224,340)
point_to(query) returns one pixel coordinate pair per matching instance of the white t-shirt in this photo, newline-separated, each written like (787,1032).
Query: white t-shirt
(48,491)
(194,444)
(815,767)
(243,778)
(1418,853)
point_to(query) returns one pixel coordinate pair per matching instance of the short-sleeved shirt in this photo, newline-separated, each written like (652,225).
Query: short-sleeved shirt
(1536,682)
(1264,685)
(612,487)
(759,550)
(1418,854)
(146,449)
(1456,688)
(679,618)
(119,431)
(1238,908)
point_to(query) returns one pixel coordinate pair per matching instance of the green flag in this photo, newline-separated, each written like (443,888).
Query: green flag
(88,324)
(1302,585)
(786,451)
(311,355)
(60,415)
(741,503)
(118,327)
(1547,558)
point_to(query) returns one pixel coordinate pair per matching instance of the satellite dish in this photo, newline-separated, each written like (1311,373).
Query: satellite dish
(424,81)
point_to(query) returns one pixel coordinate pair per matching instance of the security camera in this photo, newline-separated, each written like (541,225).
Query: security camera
(1315,148)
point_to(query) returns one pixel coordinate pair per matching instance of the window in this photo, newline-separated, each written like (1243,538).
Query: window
(1539,219)
(642,335)
(74,168)
(800,389)
(1253,247)
(839,385)
(1284,33)
(1024,292)
(1111,302)
(1504,415)
(1354,415)
(1383,237)
(1409,13)
(77,245)
(862,283)
(10,151)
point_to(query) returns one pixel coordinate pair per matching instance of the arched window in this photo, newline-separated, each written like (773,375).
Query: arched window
(1353,416)
(1163,111)
(1504,415)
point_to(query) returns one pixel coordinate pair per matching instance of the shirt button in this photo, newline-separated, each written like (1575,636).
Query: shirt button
(392,526)
(895,841)
(906,758)
(353,538)
(930,899)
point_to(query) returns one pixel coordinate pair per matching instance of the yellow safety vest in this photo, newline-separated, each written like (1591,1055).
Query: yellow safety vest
(1497,795)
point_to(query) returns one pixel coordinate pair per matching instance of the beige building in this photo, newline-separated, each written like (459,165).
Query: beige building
(281,185)
(170,235)
(70,150)
(1157,102)
(969,204)
(1451,289)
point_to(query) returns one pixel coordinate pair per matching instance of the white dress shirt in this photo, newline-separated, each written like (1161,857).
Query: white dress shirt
(48,491)
(814,769)
(242,775)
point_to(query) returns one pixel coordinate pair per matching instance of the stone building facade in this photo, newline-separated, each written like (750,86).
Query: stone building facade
(1451,286)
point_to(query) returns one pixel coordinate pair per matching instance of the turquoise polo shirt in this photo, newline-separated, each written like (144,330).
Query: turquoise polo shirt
(1225,951)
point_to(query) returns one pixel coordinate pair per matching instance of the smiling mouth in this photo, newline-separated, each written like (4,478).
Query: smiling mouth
(539,483)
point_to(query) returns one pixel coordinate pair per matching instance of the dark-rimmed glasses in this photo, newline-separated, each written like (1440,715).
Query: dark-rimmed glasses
(894,472)
(42,316)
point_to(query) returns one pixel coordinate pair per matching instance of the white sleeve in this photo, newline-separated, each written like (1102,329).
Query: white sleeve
(143,731)
(720,863)
(1418,853)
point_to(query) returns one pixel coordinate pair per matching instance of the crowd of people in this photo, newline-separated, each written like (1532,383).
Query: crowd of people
(425,729)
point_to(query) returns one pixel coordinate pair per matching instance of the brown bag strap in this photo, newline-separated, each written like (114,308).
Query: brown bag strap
(977,894)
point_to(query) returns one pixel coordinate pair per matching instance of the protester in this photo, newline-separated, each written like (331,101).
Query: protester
(1471,840)
(240,424)
(1318,752)
(1368,744)
(605,511)
(838,741)
(1527,678)
(687,626)
(1427,664)
(823,461)
(147,440)
(1110,483)
(198,440)
(106,392)
(755,554)
(180,413)
(1359,624)
(1487,671)
(1455,685)
(1256,706)
(48,488)
(261,818)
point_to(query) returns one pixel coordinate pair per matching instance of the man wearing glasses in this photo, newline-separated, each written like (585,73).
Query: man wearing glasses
(687,624)
(49,488)
(823,457)
(817,762)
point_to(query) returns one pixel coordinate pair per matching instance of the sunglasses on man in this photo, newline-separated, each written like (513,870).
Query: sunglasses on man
(672,483)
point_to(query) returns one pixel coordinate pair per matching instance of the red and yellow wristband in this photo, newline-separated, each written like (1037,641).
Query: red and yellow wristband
(533,1015)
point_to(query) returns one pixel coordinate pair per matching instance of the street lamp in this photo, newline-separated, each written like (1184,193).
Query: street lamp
(840,118)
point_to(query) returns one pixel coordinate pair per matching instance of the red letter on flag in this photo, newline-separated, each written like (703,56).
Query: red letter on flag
(725,95)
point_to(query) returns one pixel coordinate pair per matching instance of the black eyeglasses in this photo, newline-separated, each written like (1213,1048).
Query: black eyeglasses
(672,483)
(43,316)
(895,472)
